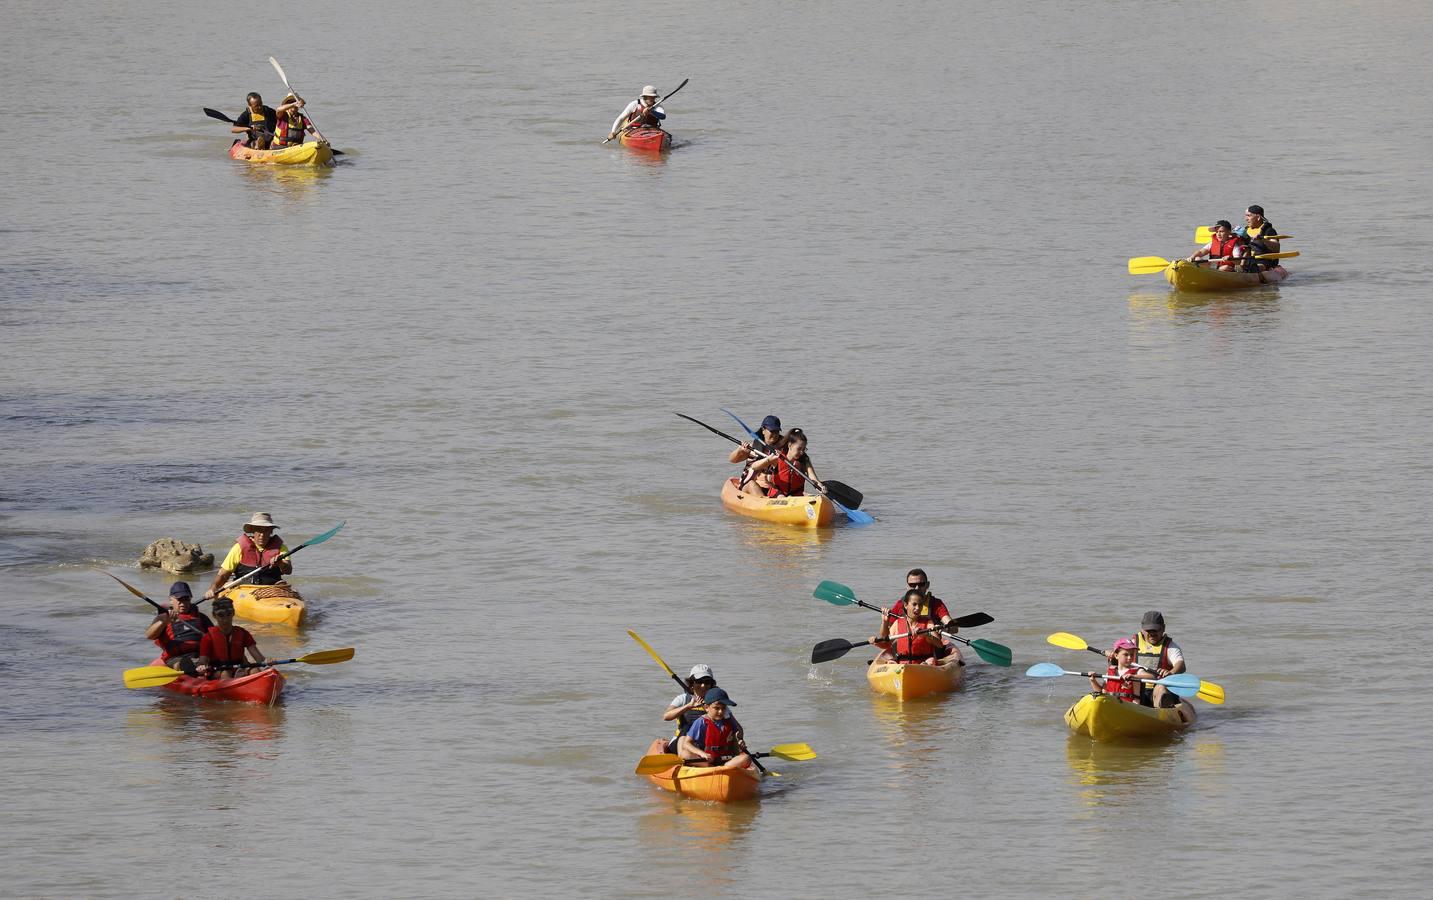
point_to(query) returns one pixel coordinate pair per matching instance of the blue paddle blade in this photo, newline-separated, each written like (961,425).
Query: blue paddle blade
(740,422)
(1183,685)
(856,517)
(834,592)
(1044,670)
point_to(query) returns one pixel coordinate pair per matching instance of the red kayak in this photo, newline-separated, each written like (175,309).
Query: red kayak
(264,687)
(646,139)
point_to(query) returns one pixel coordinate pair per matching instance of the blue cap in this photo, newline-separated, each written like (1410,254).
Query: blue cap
(771,423)
(181,589)
(717,695)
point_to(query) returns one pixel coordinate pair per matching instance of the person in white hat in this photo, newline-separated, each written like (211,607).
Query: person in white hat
(640,113)
(257,548)
(686,708)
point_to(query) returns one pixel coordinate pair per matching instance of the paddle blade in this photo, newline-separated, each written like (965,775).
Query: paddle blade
(280,69)
(737,418)
(1183,685)
(1148,265)
(1210,692)
(327,657)
(844,494)
(1067,640)
(1044,670)
(215,114)
(657,762)
(327,534)
(129,587)
(650,652)
(834,592)
(857,517)
(1288,255)
(1202,235)
(993,653)
(150,676)
(829,650)
(973,620)
(795,752)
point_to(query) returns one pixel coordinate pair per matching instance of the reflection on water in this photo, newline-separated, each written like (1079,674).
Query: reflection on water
(711,834)
(228,732)
(293,183)
(778,547)
(1106,773)
(1216,308)
(918,732)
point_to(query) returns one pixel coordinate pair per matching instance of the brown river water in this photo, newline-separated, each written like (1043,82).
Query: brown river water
(900,226)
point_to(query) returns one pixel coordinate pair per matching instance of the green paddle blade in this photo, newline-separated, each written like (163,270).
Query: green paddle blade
(834,592)
(993,653)
(325,536)
(1067,640)
(657,762)
(793,751)
(150,676)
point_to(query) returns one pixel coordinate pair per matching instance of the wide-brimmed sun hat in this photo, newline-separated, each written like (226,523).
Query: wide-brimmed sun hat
(260,520)
(649,91)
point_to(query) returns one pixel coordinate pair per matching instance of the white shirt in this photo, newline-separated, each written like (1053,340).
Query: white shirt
(631,108)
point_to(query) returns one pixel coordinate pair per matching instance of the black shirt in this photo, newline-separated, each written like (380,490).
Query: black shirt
(267,120)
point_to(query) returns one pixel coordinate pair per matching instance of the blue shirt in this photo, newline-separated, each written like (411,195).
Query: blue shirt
(698,732)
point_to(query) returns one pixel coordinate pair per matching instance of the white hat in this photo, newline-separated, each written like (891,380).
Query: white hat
(702,672)
(649,91)
(260,520)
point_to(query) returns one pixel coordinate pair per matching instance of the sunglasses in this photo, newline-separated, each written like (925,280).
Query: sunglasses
(916,584)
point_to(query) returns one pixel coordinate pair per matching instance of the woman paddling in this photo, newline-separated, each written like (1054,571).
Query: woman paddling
(686,708)
(785,474)
(292,123)
(901,638)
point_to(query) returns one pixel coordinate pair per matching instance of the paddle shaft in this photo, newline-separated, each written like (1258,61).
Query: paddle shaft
(235,582)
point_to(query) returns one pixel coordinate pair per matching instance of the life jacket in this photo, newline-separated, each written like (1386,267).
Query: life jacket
(290,131)
(720,737)
(227,648)
(689,718)
(786,479)
(251,558)
(1255,237)
(182,636)
(642,117)
(905,648)
(1127,691)
(1151,656)
(1221,249)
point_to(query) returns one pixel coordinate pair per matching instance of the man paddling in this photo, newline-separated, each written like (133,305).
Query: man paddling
(1257,230)
(257,548)
(932,607)
(1156,651)
(640,113)
(179,630)
(257,121)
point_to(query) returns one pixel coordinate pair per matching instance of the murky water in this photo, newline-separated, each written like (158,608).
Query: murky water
(902,227)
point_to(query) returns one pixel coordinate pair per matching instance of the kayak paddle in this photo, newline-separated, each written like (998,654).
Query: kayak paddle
(627,128)
(839,595)
(1153,265)
(659,762)
(235,582)
(157,676)
(653,653)
(1183,685)
(138,593)
(1209,692)
(150,676)
(836,648)
(1202,235)
(285,79)
(838,491)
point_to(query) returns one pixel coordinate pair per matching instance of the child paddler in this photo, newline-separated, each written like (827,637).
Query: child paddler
(225,646)
(179,629)
(716,738)
(1119,681)
(687,707)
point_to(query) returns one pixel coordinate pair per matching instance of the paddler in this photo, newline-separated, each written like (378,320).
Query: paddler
(257,548)
(291,124)
(784,474)
(1256,230)
(932,607)
(227,644)
(767,435)
(715,739)
(1157,652)
(1119,681)
(257,121)
(901,637)
(687,707)
(179,630)
(1225,247)
(640,113)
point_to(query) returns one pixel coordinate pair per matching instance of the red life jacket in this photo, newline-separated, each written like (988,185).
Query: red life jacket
(1219,250)
(642,117)
(1127,691)
(719,738)
(226,648)
(290,133)
(182,636)
(787,480)
(251,558)
(911,649)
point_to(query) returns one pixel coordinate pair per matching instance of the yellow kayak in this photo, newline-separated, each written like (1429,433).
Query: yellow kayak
(271,603)
(906,681)
(813,511)
(1186,276)
(314,153)
(1104,718)
(725,784)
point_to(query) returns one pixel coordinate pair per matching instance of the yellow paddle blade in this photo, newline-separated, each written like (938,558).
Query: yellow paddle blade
(1148,265)
(327,657)
(1210,692)
(150,676)
(793,751)
(657,762)
(650,652)
(1067,640)
(1289,255)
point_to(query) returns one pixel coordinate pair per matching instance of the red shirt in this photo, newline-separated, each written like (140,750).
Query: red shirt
(937,609)
(217,648)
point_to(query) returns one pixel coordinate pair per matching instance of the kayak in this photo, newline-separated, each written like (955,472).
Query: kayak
(314,153)
(646,139)
(907,681)
(263,687)
(272,603)
(726,784)
(814,511)
(1186,276)
(1104,718)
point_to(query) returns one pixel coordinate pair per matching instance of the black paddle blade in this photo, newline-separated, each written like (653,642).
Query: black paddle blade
(844,494)
(215,114)
(973,620)
(832,649)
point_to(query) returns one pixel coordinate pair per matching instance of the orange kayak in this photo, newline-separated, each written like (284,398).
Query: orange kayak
(813,511)
(654,139)
(725,784)
(907,681)
(263,687)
